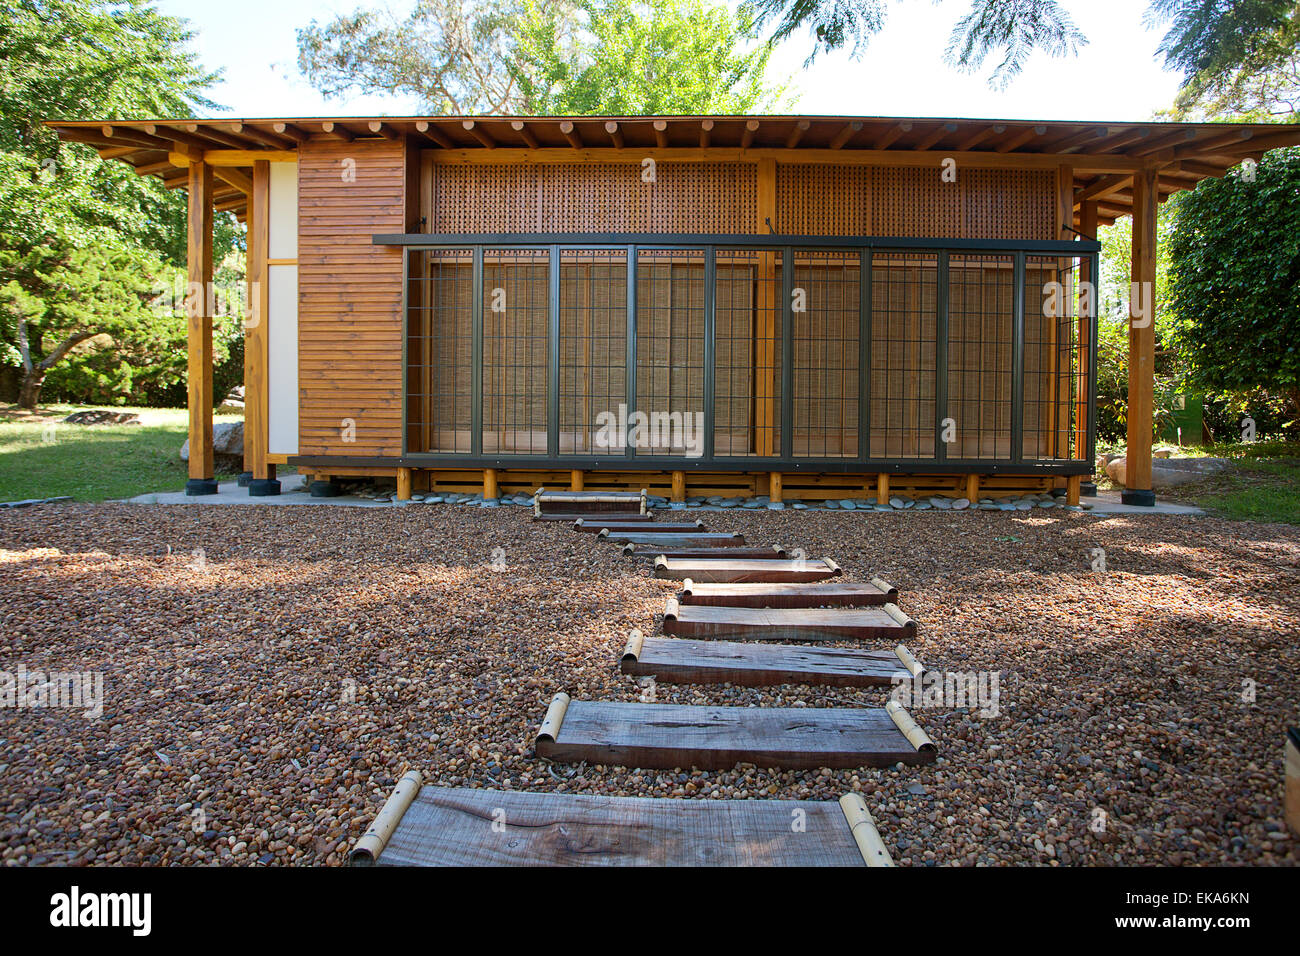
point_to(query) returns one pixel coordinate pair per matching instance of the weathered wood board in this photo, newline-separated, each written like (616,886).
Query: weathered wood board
(667,736)
(674,660)
(886,623)
(570,517)
(589,502)
(597,525)
(730,570)
(819,594)
(741,554)
(455,827)
(702,539)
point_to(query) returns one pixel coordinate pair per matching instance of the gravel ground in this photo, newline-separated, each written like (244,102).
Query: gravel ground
(263,696)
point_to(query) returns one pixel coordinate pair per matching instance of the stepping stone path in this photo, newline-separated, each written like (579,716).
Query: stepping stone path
(727,592)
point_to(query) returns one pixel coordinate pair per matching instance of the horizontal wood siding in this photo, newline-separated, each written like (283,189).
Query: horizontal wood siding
(350,297)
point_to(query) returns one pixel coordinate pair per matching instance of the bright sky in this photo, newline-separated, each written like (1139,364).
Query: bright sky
(1116,77)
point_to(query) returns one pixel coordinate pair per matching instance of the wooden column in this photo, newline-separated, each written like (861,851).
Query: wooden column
(1142,342)
(256,335)
(973,488)
(679,486)
(1072,489)
(403,484)
(882,489)
(199,331)
(1087,226)
(490,489)
(575,480)
(774,489)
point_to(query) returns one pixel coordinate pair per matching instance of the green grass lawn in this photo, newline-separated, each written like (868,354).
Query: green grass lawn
(41,457)
(1259,490)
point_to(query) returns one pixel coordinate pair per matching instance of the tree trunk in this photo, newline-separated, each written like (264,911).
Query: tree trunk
(29,392)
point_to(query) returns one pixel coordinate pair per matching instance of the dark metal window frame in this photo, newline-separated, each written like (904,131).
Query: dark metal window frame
(787,246)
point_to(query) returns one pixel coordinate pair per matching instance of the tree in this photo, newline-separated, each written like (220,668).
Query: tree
(1234,279)
(1207,39)
(527,57)
(625,58)
(452,55)
(63,211)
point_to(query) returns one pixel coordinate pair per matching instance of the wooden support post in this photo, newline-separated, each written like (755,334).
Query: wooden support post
(973,488)
(882,489)
(679,486)
(202,472)
(1141,342)
(403,484)
(1072,489)
(256,333)
(1086,316)
(575,480)
(774,486)
(490,490)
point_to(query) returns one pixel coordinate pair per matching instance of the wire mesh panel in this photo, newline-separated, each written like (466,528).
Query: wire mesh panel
(669,351)
(515,330)
(439,351)
(593,349)
(825,319)
(747,353)
(904,330)
(981,294)
(1052,351)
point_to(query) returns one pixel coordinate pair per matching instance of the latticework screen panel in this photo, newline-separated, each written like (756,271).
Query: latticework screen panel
(826,318)
(904,314)
(1053,332)
(606,197)
(980,317)
(747,354)
(439,402)
(515,348)
(593,349)
(669,348)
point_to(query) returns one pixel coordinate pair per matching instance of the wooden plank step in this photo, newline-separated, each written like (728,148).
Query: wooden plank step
(597,525)
(571,517)
(667,736)
(443,826)
(718,570)
(589,502)
(771,553)
(818,594)
(702,539)
(788,624)
(675,660)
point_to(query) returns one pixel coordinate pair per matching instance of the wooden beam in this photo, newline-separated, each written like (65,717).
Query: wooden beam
(933,137)
(847,133)
(970,142)
(1141,341)
(1084,164)
(262,136)
(1104,186)
(222,139)
(337,130)
(706,130)
(227,158)
(1019,139)
(520,127)
(615,134)
(571,134)
(1120,140)
(796,134)
(432,133)
(234,178)
(199,322)
(767,305)
(1083,344)
(126,134)
(383,129)
(289,131)
(897,130)
(1071,143)
(1178,137)
(1064,201)
(747,137)
(475,129)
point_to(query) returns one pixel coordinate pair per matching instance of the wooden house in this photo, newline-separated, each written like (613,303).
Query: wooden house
(804,307)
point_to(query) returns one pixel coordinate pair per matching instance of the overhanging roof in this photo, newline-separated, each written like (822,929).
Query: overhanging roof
(1098,152)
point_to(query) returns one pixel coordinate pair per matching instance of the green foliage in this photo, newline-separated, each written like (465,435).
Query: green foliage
(629,58)
(82,240)
(527,57)
(1234,280)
